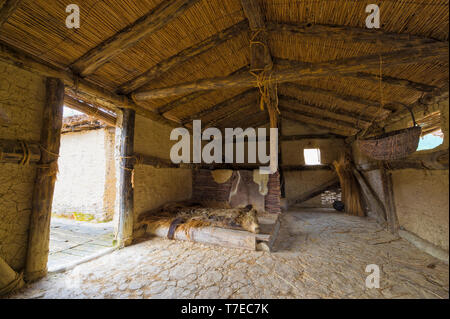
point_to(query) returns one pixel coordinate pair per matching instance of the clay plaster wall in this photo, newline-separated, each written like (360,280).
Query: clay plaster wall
(22,99)
(298,182)
(421,196)
(86,178)
(154,187)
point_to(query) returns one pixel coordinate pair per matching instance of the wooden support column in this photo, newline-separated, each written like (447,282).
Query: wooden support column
(126,192)
(389,204)
(39,233)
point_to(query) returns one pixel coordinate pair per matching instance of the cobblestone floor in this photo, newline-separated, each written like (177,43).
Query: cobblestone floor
(318,255)
(71,240)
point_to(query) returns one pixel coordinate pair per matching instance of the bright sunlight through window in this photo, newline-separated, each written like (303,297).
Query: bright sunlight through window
(312,156)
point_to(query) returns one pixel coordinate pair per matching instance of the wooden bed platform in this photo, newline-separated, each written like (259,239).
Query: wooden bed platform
(269,227)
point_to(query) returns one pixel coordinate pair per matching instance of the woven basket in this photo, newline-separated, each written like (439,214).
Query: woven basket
(393,145)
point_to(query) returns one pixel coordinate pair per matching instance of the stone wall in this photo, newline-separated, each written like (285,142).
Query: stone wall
(154,187)
(420,196)
(299,182)
(86,179)
(22,100)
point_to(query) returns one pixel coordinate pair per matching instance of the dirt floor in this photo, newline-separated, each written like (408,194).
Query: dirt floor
(71,240)
(318,255)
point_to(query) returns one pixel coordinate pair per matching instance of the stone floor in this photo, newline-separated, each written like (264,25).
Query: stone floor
(318,255)
(71,240)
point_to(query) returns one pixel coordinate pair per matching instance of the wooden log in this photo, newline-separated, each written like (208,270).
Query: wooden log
(349,34)
(340,127)
(305,122)
(19,152)
(366,107)
(155,20)
(229,238)
(39,233)
(374,203)
(75,87)
(240,110)
(126,191)
(142,159)
(9,279)
(7,10)
(420,54)
(244,96)
(331,184)
(389,204)
(337,114)
(90,110)
(178,59)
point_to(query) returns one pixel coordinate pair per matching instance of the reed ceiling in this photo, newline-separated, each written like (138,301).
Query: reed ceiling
(211,38)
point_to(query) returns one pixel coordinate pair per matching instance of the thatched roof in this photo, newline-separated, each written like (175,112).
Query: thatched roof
(122,47)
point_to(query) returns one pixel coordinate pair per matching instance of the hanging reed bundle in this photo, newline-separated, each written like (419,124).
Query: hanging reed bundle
(351,193)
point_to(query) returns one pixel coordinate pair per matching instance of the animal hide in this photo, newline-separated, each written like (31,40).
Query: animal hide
(245,192)
(261,180)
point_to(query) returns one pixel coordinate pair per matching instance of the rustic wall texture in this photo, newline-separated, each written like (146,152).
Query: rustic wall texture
(22,98)
(154,187)
(86,179)
(299,182)
(421,196)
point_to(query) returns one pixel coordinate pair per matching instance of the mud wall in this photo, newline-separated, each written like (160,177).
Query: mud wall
(22,100)
(299,182)
(154,187)
(421,196)
(86,178)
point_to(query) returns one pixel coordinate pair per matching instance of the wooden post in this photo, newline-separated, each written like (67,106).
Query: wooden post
(126,193)
(391,213)
(39,234)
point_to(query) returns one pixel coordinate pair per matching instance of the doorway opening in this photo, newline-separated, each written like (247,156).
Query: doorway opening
(84,210)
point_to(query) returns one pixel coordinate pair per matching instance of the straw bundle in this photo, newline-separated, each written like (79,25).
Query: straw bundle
(351,193)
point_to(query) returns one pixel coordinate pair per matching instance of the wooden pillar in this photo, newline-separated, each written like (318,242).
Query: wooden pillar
(389,204)
(126,193)
(39,233)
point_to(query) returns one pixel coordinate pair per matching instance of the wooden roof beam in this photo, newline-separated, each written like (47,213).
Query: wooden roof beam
(178,59)
(351,118)
(332,126)
(419,54)
(7,10)
(90,110)
(368,107)
(349,34)
(230,102)
(156,19)
(77,88)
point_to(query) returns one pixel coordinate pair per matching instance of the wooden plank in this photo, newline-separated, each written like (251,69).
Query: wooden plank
(39,233)
(126,191)
(75,87)
(229,238)
(8,9)
(90,110)
(19,152)
(183,56)
(420,54)
(333,183)
(375,204)
(156,19)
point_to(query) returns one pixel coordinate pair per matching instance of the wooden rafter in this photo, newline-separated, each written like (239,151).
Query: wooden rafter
(331,126)
(191,97)
(7,10)
(367,107)
(156,19)
(183,56)
(77,88)
(90,110)
(244,96)
(418,54)
(238,111)
(337,114)
(349,34)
